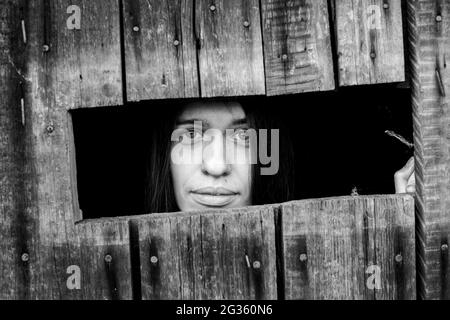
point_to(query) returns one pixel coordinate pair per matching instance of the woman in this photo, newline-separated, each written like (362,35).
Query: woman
(199,167)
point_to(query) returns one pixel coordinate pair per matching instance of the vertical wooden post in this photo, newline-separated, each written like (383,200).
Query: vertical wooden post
(429,35)
(15,195)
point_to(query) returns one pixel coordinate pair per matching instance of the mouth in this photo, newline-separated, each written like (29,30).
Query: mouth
(214,197)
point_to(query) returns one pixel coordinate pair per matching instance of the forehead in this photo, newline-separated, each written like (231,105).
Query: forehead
(215,113)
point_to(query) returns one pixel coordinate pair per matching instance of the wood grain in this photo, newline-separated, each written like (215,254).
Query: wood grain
(82,66)
(369,42)
(209,255)
(297,46)
(330,244)
(230,47)
(429,24)
(160,49)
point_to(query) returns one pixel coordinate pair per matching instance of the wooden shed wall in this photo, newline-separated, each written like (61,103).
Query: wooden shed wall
(47,68)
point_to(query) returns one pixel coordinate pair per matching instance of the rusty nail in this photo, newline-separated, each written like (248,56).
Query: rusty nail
(136,28)
(154,259)
(398,258)
(46,48)
(444,247)
(303,257)
(108,258)
(246,24)
(25,257)
(438,18)
(212,7)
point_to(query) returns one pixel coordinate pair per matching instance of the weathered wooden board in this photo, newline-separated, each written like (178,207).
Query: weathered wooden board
(369,41)
(429,25)
(13,192)
(40,217)
(160,49)
(83,63)
(105,259)
(230,47)
(297,46)
(218,255)
(349,248)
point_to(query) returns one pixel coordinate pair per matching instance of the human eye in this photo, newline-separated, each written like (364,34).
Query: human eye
(191,136)
(241,136)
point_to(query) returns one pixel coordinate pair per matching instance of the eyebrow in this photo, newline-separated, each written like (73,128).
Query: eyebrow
(236,122)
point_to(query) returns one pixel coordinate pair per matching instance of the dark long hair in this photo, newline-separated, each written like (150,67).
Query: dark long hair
(159,193)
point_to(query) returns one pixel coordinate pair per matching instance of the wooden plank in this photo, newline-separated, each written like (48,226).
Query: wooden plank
(83,66)
(160,49)
(216,255)
(335,248)
(14,196)
(369,42)
(429,25)
(230,48)
(297,46)
(105,259)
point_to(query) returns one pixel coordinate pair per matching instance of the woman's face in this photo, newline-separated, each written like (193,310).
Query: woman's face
(209,138)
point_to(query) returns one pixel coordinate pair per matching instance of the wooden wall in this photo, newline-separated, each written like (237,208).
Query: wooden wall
(121,51)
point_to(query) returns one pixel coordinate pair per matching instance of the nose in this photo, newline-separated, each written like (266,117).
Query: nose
(214,159)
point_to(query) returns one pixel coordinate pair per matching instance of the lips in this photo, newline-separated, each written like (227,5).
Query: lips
(214,197)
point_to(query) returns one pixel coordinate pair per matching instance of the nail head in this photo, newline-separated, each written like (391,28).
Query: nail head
(136,28)
(444,247)
(45,48)
(386,5)
(284,57)
(154,260)
(212,7)
(176,43)
(50,129)
(246,24)
(25,257)
(439,18)
(256,265)
(303,257)
(108,258)
(373,55)
(398,258)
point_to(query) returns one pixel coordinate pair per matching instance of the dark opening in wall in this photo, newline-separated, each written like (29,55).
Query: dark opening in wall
(339,142)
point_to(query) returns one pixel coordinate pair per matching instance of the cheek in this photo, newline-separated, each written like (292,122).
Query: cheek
(243,174)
